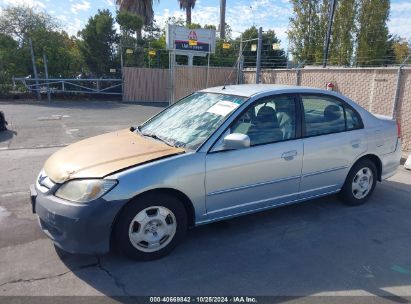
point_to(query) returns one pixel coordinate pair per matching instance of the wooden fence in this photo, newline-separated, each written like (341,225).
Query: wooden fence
(142,84)
(154,85)
(190,79)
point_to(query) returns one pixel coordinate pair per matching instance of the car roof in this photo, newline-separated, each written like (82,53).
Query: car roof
(248,90)
(254,90)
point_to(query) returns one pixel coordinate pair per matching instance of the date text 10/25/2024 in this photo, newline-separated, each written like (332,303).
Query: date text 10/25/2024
(205,299)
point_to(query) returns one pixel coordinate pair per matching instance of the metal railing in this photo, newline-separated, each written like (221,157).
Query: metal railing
(72,85)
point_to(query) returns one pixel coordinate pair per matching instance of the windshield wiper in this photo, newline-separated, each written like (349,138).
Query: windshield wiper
(152,135)
(180,144)
(134,128)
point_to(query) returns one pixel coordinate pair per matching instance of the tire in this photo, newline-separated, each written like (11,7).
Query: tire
(150,227)
(360,183)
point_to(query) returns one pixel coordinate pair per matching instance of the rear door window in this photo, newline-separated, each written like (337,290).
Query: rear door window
(323,115)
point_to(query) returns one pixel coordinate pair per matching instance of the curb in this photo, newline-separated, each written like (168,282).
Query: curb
(404,157)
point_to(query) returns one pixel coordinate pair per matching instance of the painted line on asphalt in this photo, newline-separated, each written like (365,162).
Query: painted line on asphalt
(33,148)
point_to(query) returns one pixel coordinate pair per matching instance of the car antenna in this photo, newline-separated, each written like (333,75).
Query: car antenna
(235,64)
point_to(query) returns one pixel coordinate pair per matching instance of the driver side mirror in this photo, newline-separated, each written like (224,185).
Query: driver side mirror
(236,141)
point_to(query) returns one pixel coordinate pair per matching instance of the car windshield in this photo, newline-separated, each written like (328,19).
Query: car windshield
(189,122)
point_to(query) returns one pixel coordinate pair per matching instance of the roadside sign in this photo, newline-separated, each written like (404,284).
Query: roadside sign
(276,46)
(254,47)
(183,39)
(226,45)
(129,51)
(151,53)
(112,70)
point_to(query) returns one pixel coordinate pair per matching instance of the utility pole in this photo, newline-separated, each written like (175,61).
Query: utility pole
(222,18)
(33,61)
(398,85)
(259,47)
(121,70)
(240,56)
(149,56)
(46,72)
(330,25)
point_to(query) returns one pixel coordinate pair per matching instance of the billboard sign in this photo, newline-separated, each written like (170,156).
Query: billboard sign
(183,39)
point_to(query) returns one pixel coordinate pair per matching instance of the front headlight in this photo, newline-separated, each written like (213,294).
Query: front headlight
(85,190)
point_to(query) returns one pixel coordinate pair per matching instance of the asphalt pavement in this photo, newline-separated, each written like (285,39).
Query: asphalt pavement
(320,247)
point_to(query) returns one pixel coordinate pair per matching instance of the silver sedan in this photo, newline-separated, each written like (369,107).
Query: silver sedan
(215,154)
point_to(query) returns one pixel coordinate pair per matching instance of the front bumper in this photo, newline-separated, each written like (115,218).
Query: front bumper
(76,228)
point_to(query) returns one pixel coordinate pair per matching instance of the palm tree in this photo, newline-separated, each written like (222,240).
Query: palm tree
(143,8)
(187,5)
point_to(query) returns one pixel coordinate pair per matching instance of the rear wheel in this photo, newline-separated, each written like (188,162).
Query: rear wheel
(360,183)
(151,226)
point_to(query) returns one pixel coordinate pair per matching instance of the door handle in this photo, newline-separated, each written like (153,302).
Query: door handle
(289,155)
(355,143)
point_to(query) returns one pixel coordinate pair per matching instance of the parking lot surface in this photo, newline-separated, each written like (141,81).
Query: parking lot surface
(320,247)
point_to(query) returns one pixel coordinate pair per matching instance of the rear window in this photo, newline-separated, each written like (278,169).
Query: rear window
(327,115)
(353,120)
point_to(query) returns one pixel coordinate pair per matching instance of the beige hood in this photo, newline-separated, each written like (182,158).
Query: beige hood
(101,155)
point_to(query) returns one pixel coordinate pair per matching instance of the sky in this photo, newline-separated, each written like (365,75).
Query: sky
(240,15)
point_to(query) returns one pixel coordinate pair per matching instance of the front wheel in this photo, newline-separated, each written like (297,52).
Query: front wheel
(151,226)
(360,183)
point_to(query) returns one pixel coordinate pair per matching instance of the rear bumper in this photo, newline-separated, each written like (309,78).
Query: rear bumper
(75,228)
(391,161)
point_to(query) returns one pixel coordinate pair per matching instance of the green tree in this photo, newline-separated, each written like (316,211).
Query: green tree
(129,23)
(142,8)
(398,50)
(194,26)
(342,40)
(9,64)
(372,37)
(175,21)
(270,58)
(62,51)
(187,5)
(157,44)
(21,21)
(98,43)
(303,31)
(401,49)
(320,32)
(17,25)
(224,57)
(153,31)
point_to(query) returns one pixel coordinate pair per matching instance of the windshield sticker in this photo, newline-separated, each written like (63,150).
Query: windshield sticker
(222,108)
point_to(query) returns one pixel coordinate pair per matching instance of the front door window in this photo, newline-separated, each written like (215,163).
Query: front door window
(270,120)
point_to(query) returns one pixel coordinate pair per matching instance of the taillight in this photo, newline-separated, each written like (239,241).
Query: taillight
(398,129)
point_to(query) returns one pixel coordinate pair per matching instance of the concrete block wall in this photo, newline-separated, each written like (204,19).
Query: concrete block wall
(372,88)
